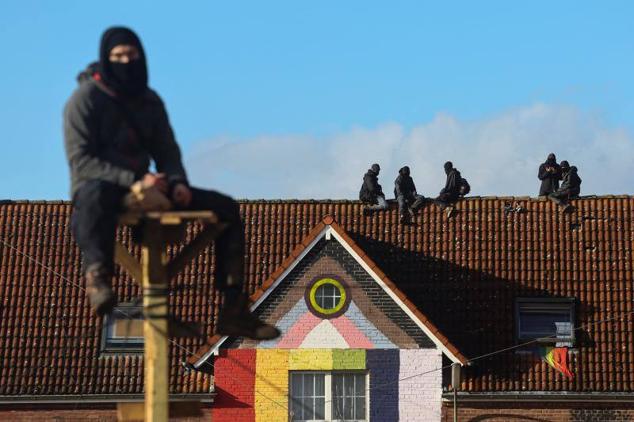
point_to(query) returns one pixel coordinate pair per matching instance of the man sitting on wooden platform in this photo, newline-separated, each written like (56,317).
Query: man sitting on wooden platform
(114,124)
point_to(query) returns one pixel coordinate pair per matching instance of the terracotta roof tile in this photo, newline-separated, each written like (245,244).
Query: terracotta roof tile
(463,274)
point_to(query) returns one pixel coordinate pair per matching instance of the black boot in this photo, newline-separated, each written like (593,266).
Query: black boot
(99,290)
(236,320)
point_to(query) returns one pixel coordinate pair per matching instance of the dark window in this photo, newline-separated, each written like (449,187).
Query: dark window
(549,320)
(123,330)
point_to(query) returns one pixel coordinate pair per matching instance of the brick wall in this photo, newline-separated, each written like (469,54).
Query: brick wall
(420,388)
(71,413)
(540,412)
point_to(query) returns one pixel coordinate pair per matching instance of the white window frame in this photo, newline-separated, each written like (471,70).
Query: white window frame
(328,398)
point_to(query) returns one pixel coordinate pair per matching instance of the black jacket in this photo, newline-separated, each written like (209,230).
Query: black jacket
(571,182)
(404,185)
(370,189)
(102,144)
(452,185)
(550,180)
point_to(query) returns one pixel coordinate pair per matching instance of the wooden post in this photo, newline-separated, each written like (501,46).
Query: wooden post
(155,325)
(154,274)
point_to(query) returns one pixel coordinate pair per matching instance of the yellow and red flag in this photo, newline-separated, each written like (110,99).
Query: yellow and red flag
(556,357)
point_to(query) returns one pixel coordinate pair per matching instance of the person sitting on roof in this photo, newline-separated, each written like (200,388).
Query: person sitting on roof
(570,187)
(371,192)
(114,124)
(550,175)
(405,192)
(455,188)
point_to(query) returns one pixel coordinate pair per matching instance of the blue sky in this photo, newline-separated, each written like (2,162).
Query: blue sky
(296,99)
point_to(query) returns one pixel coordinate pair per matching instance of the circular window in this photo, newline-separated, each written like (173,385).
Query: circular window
(327,297)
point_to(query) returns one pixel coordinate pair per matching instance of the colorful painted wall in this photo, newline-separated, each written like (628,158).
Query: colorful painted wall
(362,329)
(252,384)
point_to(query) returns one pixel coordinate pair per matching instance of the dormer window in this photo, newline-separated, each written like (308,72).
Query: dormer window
(123,330)
(547,320)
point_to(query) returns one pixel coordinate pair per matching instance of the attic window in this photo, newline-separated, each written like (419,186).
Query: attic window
(548,320)
(327,297)
(123,330)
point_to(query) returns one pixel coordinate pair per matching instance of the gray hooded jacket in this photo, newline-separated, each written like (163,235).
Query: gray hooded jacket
(103,142)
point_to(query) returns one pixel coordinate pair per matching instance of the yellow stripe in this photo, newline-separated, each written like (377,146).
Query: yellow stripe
(310,360)
(271,385)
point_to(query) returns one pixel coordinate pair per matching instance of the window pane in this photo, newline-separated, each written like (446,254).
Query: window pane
(309,410)
(359,384)
(296,385)
(348,408)
(542,323)
(124,328)
(320,385)
(359,408)
(348,385)
(327,296)
(320,408)
(337,385)
(308,385)
(298,413)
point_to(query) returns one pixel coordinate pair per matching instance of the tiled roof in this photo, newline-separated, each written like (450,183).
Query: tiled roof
(463,274)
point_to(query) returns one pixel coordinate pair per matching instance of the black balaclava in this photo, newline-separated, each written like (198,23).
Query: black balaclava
(564,166)
(404,171)
(127,79)
(375,168)
(448,167)
(551,158)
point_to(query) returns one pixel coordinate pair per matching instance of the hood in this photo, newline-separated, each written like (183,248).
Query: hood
(127,79)
(404,171)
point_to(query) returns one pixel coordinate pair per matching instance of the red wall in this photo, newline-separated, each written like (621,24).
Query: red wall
(235,386)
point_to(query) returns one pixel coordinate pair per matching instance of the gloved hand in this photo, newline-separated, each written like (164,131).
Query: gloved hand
(146,198)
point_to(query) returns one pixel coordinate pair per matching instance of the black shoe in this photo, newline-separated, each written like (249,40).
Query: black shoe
(451,212)
(236,320)
(99,290)
(367,212)
(405,219)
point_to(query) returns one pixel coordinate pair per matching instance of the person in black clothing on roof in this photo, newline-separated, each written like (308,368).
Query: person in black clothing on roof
(455,187)
(409,201)
(114,124)
(570,187)
(371,192)
(550,175)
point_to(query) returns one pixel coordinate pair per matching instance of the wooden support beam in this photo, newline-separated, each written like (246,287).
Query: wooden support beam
(155,325)
(127,261)
(154,274)
(193,248)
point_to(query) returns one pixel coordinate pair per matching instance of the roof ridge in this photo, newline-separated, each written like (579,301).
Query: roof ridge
(334,201)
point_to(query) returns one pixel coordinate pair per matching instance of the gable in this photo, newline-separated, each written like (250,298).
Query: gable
(376,314)
(371,320)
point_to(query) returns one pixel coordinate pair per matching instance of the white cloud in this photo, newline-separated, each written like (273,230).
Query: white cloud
(499,155)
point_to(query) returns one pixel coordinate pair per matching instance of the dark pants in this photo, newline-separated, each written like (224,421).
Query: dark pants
(561,197)
(97,205)
(446,199)
(415,202)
